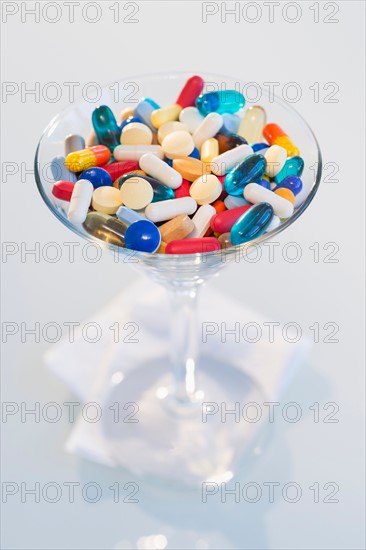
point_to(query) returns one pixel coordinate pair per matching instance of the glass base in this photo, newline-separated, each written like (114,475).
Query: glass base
(204,439)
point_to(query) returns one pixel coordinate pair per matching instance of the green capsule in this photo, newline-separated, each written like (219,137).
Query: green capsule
(106,127)
(293,166)
(224,101)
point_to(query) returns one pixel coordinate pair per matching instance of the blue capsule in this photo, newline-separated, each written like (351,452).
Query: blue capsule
(264,183)
(252,223)
(293,166)
(143,110)
(249,171)
(260,147)
(151,101)
(106,127)
(195,154)
(129,120)
(143,235)
(231,123)
(225,101)
(293,183)
(97,176)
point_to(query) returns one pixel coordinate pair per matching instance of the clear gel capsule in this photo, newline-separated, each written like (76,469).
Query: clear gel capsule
(106,127)
(224,101)
(106,228)
(252,124)
(225,241)
(293,166)
(252,223)
(250,170)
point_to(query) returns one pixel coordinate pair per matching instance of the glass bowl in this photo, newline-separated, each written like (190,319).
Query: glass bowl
(171,390)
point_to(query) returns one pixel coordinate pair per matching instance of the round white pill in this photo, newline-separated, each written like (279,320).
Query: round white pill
(136,133)
(206,189)
(106,199)
(178,144)
(169,127)
(136,193)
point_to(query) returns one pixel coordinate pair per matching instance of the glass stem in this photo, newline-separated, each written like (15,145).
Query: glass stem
(184,343)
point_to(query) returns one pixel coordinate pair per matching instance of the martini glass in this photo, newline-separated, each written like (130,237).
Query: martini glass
(171,441)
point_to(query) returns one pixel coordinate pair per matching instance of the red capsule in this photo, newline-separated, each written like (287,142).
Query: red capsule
(117,169)
(102,154)
(191,90)
(271,132)
(183,190)
(223,222)
(192,246)
(63,190)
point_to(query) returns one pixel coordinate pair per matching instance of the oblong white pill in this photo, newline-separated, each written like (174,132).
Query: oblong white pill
(166,210)
(221,164)
(178,144)
(160,170)
(136,133)
(208,128)
(201,221)
(274,223)
(169,127)
(206,189)
(255,193)
(234,202)
(135,152)
(276,157)
(136,193)
(80,201)
(191,117)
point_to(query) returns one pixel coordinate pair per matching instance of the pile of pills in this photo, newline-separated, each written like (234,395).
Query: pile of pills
(196,176)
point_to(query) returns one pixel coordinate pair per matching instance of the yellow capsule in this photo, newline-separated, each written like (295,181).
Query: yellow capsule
(165,114)
(252,124)
(126,113)
(286,143)
(209,150)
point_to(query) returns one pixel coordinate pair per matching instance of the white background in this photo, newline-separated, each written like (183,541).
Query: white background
(171,36)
